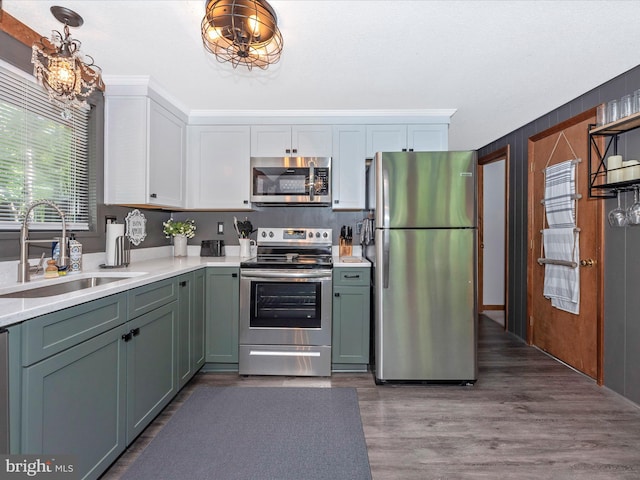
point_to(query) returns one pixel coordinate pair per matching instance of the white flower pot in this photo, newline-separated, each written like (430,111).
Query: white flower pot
(179,246)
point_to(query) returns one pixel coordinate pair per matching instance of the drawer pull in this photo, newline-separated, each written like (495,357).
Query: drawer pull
(352,276)
(127,336)
(135,332)
(234,275)
(183,283)
(337,294)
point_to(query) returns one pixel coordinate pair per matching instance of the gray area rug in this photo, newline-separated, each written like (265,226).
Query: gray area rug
(259,433)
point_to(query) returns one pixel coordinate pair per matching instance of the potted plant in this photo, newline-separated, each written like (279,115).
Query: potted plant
(180,231)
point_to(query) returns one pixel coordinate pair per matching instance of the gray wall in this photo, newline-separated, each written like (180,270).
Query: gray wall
(207,222)
(622,258)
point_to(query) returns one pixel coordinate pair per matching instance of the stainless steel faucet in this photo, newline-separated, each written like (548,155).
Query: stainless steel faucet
(24,266)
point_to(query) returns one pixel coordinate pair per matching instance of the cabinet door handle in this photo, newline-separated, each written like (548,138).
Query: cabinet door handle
(153,195)
(183,283)
(287,150)
(337,294)
(246,202)
(295,150)
(135,332)
(127,336)
(234,275)
(352,276)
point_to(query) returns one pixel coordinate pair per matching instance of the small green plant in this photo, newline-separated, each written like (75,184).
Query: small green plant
(172,228)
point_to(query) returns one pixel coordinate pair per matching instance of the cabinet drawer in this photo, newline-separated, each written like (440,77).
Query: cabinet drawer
(149,297)
(351,276)
(52,333)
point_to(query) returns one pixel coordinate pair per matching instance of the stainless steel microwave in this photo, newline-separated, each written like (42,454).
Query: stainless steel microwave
(291,180)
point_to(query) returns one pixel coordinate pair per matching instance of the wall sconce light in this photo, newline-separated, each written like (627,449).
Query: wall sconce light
(243,32)
(68,77)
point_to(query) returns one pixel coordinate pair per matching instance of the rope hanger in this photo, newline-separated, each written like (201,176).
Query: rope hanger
(562,135)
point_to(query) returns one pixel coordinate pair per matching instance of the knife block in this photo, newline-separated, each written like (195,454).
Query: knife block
(346,249)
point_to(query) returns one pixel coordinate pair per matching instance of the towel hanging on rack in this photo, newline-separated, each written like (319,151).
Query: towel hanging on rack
(560,194)
(562,282)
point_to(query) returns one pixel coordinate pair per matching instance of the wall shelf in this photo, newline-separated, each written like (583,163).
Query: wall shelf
(600,185)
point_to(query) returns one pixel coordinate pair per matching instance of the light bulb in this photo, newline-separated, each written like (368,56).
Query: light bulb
(254,24)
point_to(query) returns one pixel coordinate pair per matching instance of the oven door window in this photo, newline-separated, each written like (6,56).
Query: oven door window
(285,305)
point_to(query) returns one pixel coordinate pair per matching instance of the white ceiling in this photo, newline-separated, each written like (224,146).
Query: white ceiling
(499,64)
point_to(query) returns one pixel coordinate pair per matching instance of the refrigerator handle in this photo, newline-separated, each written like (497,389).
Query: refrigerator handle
(385,258)
(383,207)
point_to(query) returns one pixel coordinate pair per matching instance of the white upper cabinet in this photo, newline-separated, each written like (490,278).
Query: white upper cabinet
(291,140)
(218,171)
(400,138)
(144,153)
(348,167)
(428,138)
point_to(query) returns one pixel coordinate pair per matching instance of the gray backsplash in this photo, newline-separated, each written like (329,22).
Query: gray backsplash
(289,216)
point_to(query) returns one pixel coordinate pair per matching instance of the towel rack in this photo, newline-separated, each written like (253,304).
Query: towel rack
(575,230)
(575,196)
(550,261)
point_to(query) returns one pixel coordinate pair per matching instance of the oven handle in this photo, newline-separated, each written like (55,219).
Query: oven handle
(283,274)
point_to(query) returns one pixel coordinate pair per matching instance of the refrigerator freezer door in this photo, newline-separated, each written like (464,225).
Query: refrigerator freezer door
(425,319)
(425,189)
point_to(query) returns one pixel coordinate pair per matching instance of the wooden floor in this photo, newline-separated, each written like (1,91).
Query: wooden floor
(527,417)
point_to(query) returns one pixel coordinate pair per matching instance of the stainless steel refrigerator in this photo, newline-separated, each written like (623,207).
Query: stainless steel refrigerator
(425,267)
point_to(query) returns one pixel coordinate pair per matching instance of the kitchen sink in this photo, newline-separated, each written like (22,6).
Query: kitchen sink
(63,287)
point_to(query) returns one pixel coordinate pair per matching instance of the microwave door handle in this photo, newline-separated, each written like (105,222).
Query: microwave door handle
(312,180)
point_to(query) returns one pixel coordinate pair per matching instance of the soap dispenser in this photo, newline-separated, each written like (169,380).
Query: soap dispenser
(75,255)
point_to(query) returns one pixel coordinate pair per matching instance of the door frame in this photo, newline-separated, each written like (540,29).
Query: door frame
(532,256)
(503,153)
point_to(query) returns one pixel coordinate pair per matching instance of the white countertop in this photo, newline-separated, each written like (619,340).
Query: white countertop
(139,272)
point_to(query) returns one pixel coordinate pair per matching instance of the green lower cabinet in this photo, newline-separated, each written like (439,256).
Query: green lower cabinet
(74,403)
(151,366)
(223,311)
(199,312)
(351,320)
(191,299)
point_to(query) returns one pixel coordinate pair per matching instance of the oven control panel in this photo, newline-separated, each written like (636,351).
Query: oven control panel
(294,236)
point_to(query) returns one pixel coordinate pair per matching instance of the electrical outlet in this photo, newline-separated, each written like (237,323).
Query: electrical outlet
(220,228)
(358,228)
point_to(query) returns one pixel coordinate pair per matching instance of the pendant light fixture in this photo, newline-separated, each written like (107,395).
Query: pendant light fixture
(243,32)
(68,77)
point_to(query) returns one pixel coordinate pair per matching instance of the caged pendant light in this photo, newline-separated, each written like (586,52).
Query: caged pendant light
(68,77)
(243,32)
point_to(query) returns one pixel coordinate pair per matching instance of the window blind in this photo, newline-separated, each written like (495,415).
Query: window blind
(42,156)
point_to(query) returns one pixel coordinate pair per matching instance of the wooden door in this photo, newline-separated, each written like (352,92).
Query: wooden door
(574,339)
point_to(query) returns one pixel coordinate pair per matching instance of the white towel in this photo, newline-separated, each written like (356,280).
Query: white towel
(559,194)
(562,283)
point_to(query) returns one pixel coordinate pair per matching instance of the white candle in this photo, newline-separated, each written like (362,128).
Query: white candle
(614,162)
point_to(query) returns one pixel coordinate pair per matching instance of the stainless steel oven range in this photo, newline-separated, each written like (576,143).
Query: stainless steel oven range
(285,304)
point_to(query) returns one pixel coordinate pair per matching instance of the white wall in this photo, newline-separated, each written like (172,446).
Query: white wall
(493,261)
